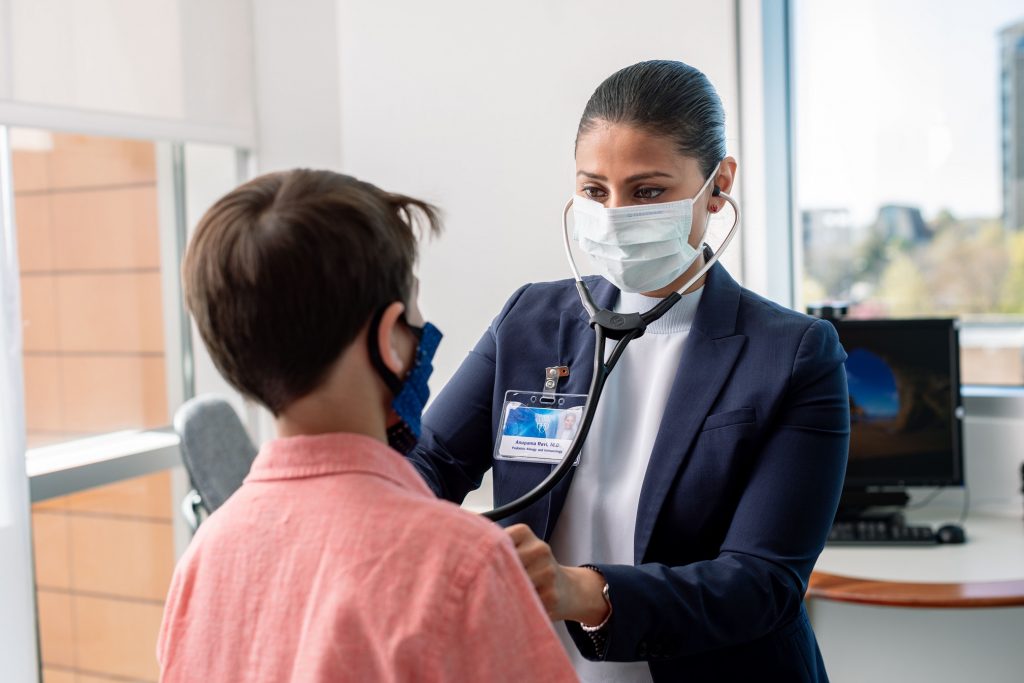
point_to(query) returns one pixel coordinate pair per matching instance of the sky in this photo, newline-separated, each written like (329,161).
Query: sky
(898,102)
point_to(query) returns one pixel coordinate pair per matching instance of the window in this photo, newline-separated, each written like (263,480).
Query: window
(99,223)
(103,563)
(86,211)
(910,167)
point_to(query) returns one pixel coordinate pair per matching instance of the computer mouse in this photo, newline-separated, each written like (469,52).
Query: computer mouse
(951,533)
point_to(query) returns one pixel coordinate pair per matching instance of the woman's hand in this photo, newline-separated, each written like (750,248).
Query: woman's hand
(567,593)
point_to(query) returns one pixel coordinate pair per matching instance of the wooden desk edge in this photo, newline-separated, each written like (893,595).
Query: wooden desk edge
(973,594)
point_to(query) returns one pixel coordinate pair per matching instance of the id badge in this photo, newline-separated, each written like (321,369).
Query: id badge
(538,427)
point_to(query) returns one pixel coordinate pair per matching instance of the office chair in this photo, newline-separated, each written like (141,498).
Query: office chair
(216,451)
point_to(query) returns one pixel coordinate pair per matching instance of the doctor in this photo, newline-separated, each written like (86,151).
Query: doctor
(681,545)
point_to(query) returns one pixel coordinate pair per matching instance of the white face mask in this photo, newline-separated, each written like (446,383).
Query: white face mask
(638,248)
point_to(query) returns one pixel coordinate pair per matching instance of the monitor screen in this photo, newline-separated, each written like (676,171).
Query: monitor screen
(904,380)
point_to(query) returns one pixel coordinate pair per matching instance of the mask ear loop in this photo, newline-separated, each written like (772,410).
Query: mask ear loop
(393,381)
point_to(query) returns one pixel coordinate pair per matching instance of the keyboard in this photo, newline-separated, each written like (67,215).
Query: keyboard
(880,532)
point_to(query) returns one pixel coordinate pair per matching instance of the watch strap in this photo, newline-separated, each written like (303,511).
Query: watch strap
(607,600)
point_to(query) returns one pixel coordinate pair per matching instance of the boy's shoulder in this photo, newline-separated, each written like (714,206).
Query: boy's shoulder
(463,533)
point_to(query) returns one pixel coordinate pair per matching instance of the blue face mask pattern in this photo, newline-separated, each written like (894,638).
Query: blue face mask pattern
(411,394)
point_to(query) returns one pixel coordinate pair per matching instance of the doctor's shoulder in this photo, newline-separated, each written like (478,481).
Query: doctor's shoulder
(542,300)
(765,321)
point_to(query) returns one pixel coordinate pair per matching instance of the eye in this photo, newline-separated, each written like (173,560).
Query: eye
(593,192)
(648,192)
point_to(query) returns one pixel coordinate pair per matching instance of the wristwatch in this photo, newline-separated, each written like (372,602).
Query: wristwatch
(607,601)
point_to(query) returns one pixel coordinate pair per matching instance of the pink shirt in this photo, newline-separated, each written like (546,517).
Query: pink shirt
(335,562)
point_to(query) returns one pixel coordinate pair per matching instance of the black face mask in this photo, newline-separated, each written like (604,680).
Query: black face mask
(410,394)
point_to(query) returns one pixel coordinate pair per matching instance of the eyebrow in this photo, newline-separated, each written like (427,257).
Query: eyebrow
(630,179)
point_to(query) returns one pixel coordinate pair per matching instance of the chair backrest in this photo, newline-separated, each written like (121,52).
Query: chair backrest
(215,448)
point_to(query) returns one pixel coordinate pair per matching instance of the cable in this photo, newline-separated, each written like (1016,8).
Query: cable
(966,504)
(928,499)
(964,508)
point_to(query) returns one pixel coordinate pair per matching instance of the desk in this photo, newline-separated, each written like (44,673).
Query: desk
(937,613)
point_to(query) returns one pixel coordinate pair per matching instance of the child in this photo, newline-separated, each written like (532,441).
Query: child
(334,562)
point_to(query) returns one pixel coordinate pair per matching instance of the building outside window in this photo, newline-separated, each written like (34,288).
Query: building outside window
(909,131)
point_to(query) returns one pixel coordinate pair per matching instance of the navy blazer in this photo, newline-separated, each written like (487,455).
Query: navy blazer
(741,488)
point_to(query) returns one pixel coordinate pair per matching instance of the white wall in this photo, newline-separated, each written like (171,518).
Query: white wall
(296,76)
(184,61)
(993,457)
(474,106)
(914,645)
(469,106)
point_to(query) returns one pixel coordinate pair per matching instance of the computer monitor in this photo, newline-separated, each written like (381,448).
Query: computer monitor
(905,406)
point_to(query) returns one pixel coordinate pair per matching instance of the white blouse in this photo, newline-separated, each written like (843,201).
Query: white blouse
(598,521)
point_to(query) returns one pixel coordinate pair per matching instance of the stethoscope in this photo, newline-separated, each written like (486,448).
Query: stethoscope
(622,327)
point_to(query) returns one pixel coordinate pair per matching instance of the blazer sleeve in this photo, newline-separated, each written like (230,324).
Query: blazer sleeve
(455,449)
(757,582)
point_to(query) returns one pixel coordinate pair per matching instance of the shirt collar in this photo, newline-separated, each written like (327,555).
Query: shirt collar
(297,457)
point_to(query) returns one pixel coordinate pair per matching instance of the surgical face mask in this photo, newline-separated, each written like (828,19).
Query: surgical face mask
(411,394)
(638,248)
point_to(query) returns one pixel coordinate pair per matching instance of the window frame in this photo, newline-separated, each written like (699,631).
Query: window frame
(767,145)
(15,522)
(80,464)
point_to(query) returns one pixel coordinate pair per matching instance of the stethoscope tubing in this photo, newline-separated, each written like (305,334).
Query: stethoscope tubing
(602,369)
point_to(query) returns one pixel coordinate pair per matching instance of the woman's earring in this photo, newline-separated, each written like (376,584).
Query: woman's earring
(713,208)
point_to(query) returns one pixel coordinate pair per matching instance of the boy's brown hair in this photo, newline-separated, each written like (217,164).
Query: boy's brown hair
(284,271)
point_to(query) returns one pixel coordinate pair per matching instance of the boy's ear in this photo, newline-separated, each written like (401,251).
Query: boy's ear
(390,341)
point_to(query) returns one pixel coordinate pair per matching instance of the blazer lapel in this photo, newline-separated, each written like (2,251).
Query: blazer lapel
(709,355)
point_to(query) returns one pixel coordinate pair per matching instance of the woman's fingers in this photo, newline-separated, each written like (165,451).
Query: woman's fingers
(534,553)
(541,566)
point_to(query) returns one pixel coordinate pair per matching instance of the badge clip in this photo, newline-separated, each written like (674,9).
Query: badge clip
(552,375)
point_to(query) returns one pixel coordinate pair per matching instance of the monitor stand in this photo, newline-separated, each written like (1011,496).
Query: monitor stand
(864,504)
